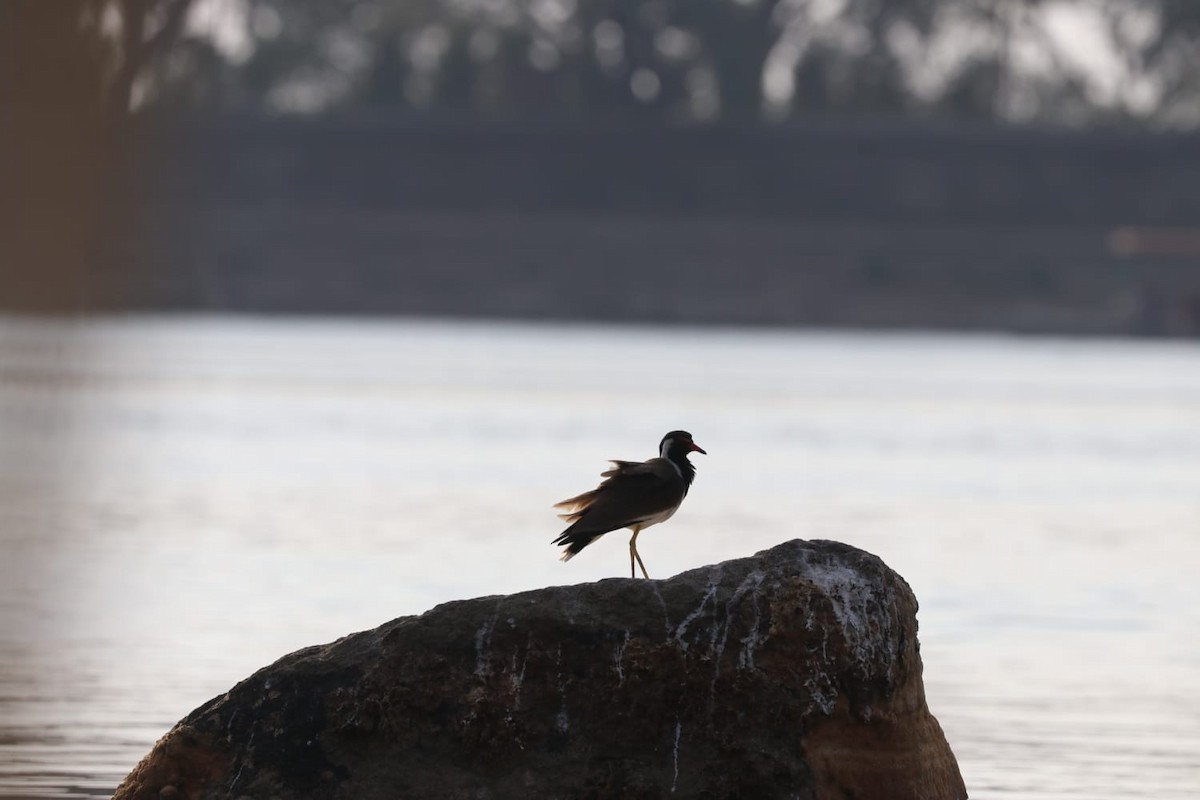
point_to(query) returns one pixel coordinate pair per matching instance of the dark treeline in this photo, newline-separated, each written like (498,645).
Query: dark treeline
(894,172)
(829,224)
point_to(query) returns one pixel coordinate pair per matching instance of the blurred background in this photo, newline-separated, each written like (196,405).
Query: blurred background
(1026,165)
(309,311)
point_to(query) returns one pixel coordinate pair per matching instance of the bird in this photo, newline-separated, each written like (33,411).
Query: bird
(634,495)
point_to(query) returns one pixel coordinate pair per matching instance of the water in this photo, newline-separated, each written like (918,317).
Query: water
(184,500)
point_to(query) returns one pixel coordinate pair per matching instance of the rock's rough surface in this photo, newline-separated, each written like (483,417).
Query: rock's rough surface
(794,673)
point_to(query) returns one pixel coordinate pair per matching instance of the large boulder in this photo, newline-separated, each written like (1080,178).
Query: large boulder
(794,673)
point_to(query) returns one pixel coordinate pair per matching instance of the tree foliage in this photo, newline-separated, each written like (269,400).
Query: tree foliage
(1051,61)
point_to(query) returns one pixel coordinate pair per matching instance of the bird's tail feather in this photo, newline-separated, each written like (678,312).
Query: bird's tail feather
(574,507)
(574,542)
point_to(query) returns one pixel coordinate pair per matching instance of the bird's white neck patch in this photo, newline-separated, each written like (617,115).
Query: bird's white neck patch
(662,453)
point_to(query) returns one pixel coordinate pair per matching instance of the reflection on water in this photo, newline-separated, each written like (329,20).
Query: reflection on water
(183,501)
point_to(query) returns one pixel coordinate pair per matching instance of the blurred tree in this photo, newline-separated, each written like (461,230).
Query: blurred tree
(679,60)
(1160,46)
(138,33)
(69,72)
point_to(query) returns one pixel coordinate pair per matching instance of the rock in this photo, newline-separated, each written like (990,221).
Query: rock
(794,673)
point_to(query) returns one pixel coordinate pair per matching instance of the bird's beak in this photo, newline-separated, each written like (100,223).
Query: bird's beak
(695,448)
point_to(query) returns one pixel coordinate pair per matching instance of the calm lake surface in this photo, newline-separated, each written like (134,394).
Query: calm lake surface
(184,500)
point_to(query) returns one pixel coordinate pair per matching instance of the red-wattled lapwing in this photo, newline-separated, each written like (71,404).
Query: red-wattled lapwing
(636,495)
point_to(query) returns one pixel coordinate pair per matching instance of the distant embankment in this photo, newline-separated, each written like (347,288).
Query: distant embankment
(830,224)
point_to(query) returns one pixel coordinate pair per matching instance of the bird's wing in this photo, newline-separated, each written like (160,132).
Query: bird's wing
(632,491)
(619,467)
(575,506)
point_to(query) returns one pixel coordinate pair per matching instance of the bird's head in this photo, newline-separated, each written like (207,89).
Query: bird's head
(678,443)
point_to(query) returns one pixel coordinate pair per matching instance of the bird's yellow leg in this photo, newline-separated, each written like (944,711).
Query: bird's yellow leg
(633,553)
(640,564)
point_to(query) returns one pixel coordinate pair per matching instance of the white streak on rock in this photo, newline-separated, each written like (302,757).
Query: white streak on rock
(561,721)
(663,603)
(857,607)
(483,638)
(824,695)
(681,630)
(619,657)
(678,732)
(517,677)
(750,641)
